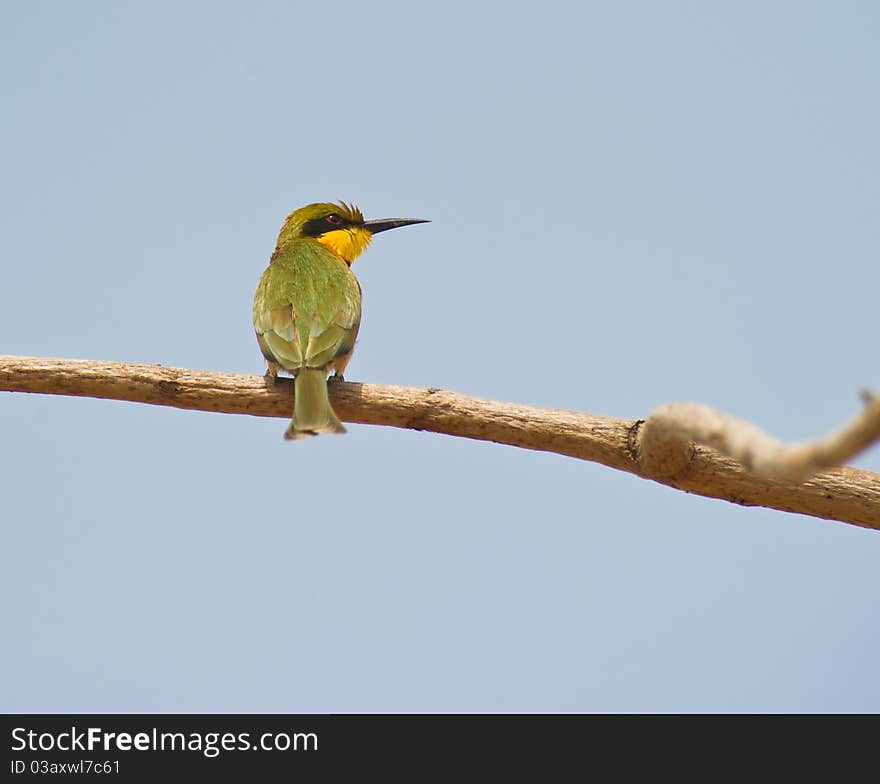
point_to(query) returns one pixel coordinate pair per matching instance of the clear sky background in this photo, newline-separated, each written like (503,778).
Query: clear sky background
(632,203)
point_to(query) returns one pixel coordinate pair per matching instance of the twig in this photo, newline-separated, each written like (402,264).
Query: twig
(665,455)
(671,427)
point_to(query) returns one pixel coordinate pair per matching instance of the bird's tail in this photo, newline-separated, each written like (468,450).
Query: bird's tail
(312,413)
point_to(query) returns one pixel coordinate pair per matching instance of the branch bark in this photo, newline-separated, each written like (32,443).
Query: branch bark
(667,455)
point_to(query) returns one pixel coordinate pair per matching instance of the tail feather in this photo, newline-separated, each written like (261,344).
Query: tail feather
(312,412)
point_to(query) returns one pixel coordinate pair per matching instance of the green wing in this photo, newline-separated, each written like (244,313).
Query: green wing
(307,307)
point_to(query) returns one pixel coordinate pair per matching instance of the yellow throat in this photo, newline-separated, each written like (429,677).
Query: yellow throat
(347,243)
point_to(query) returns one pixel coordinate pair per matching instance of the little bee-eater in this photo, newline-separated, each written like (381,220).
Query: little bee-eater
(307,307)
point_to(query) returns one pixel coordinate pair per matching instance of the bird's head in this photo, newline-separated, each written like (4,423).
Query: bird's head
(340,228)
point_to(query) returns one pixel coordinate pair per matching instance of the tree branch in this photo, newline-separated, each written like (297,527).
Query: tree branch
(660,448)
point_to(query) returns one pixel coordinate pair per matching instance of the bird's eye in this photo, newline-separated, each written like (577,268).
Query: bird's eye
(333,220)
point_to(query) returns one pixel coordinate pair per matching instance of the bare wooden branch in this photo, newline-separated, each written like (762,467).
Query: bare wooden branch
(844,494)
(671,428)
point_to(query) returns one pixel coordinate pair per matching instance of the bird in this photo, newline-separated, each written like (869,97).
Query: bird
(307,306)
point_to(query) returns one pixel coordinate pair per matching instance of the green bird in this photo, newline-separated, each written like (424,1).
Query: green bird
(307,307)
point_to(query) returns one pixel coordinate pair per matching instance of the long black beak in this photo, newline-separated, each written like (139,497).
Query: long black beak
(375,226)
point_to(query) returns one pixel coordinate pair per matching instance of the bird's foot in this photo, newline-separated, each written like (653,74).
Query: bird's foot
(335,378)
(271,375)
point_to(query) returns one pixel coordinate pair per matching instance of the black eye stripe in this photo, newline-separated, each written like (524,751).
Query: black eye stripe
(319,226)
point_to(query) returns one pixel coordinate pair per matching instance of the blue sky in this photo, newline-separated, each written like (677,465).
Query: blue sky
(632,203)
